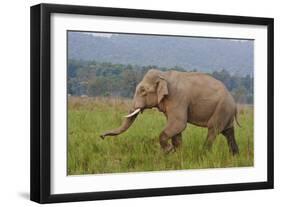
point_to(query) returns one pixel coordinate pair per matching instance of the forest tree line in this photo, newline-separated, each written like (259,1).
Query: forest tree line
(93,78)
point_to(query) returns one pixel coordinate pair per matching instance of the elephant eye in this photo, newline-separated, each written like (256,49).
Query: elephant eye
(142,91)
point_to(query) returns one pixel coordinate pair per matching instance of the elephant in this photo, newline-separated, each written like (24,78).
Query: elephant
(184,97)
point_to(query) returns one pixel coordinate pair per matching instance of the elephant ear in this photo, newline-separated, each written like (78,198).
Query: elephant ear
(162,89)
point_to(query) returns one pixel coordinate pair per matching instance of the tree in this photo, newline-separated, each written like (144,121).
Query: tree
(129,83)
(240,94)
(94,78)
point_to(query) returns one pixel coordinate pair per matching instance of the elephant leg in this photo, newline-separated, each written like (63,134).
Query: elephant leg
(166,146)
(229,135)
(215,125)
(177,140)
(173,129)
(212,133)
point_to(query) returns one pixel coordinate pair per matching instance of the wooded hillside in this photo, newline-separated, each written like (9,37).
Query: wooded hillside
(93,78)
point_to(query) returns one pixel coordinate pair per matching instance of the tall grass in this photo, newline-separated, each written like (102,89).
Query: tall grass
(138,148)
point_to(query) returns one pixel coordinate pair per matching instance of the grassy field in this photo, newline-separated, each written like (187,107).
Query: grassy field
(138,149)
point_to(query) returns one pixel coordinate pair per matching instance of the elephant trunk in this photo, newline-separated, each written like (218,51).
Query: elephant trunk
(125,125)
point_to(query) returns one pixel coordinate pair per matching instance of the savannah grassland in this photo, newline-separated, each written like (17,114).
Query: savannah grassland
(138,149)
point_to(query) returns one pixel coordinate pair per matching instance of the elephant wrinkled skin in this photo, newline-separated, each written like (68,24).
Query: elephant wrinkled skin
(184,97)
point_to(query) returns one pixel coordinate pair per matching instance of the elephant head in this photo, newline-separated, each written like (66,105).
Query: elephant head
(149,93)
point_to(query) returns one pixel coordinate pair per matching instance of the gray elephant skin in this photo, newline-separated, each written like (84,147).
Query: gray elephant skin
(184,97)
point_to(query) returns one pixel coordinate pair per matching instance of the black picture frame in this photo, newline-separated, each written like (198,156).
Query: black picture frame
(41,99)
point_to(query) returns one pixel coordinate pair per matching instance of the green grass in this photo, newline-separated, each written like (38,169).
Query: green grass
(138,149)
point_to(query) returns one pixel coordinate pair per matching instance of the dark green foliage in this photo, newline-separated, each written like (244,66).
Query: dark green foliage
(93,78)
(241,87)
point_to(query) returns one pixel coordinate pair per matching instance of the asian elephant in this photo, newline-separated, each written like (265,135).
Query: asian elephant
(184,97)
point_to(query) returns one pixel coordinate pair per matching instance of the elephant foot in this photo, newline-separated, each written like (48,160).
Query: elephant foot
(169,148)
(234,151)
(208,145)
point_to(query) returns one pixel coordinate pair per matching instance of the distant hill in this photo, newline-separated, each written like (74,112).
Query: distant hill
(203,54)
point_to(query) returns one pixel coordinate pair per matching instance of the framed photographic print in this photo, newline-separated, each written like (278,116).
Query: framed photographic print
(133,103)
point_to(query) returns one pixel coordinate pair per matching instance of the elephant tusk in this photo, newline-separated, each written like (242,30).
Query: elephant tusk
(133,113)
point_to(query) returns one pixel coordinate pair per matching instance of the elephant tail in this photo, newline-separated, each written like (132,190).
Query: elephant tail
(236,119)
